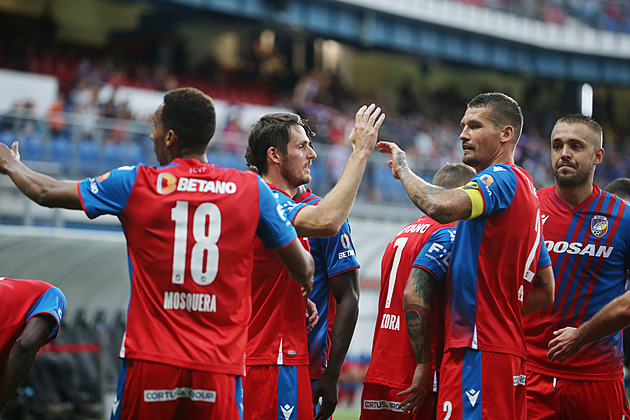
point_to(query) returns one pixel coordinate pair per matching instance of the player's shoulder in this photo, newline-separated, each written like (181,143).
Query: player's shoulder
(498,173)
(545,193)
(621,208)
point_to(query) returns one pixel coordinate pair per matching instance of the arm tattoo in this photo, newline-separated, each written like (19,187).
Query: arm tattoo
(417,320)
(424,284)
(427,197)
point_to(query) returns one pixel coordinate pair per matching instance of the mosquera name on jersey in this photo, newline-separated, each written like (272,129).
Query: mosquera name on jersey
(190,302)
(190,228)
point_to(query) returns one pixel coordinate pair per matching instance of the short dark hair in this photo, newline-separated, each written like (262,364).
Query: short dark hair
(271,130)
(190,114)
(453,175)
(583,119)
(504,110)
(620,187)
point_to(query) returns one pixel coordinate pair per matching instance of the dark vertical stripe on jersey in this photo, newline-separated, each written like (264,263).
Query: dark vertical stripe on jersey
(562,262)
(581,265)
(472,399)
(463,276)
(613,209)
(578,263)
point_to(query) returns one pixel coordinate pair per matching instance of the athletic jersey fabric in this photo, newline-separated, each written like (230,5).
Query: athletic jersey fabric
(277,331)
(427,244)
(332,256)
(493,262)
(590,250)
(190,228)
(21,300)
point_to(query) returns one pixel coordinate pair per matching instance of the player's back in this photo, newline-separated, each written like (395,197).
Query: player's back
(18,297)
(393,361)
(190,229)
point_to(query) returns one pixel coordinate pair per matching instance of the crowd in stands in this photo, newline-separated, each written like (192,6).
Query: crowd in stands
(107,132)
(610,15)
(109,135)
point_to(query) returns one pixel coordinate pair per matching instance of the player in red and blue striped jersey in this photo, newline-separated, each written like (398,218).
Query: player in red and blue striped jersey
(336,295)
(493,263)
(190,227)
(587,233)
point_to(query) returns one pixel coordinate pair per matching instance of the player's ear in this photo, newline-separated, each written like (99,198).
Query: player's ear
(273,155)
(170,138)
(599,156)
(507,134)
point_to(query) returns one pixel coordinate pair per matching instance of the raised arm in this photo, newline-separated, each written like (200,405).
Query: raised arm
(417,307)
(345,290)
(613,317)
(442,205)
(22,355)
(542,292)
(326,218)
(40,188)
(300,264)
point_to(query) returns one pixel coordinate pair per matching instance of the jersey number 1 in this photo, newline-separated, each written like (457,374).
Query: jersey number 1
(204,256)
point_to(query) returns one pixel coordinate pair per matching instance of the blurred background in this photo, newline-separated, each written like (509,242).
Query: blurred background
(80,80)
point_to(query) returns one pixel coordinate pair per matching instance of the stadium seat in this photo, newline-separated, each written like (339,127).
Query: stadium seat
(32,148)
(133,154)
(61,151)
(7,137)
(88,157)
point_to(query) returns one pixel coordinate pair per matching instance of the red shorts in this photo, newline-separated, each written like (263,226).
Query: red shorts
(478,384)
(380,402)
(557,398)
(148,390)
(276,391)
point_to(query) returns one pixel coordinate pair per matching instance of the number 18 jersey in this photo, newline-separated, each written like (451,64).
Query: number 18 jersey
(190,228)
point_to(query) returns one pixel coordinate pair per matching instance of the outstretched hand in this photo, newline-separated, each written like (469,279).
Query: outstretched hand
(364,135)
(566,344)
(7,156)
(399,158)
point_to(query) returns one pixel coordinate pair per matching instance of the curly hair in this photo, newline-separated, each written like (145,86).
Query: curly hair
(190,114)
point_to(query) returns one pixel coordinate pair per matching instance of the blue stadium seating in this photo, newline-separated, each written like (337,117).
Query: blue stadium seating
(60,148)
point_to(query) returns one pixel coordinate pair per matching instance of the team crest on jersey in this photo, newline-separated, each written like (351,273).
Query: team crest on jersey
(599,225)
